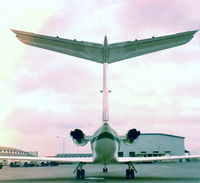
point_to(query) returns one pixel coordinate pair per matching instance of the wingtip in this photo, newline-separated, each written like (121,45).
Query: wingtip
(196,30)
(14,31)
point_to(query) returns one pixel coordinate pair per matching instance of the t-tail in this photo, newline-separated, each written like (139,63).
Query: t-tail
(105,54)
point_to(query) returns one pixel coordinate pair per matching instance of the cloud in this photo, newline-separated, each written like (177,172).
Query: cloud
(52,74)
(144,17)
(31,121)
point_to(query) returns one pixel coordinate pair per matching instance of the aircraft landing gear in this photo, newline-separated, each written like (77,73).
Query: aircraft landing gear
(80,172)
(105,170)
(130,172)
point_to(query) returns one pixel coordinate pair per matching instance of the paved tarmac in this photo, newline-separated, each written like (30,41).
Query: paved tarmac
(185,172)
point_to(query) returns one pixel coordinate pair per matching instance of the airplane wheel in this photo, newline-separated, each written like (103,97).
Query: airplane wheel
(127,173)
(78,174)
(105,170)
(132,174)
(82,174)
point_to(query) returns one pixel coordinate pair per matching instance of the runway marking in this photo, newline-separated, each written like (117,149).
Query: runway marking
(95,178)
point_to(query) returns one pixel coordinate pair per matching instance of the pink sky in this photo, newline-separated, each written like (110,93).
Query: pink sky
(45,94)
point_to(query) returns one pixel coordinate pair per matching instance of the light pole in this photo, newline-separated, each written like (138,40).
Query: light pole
(63,143)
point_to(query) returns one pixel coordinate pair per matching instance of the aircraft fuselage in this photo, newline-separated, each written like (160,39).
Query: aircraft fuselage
(105,145)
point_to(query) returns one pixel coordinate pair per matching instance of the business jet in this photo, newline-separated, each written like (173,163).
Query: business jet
(105,142)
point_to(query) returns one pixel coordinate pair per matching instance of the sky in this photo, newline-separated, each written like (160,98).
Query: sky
(45,94)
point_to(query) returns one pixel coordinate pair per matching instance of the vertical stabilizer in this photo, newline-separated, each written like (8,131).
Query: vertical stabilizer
(105,81)
(105,93)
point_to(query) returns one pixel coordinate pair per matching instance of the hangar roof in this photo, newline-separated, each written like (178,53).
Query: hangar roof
(9,148)
(163,135)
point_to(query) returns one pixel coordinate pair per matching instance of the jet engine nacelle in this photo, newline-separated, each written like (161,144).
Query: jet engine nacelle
(79,137)
(131,136)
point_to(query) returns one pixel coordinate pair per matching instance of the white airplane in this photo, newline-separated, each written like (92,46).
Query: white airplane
(105,142)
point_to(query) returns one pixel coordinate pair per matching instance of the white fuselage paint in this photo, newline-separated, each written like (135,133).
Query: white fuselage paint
(105,145)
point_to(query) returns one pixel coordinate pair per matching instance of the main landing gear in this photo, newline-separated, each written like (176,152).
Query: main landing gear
(80,172)
(130,172)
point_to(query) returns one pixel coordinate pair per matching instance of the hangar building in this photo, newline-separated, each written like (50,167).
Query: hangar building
(147,145)
(154,144)
(9,151)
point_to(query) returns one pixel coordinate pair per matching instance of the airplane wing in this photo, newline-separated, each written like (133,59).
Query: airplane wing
(150,159)
(94,51)
(129,49)
(81,49)
(85,160)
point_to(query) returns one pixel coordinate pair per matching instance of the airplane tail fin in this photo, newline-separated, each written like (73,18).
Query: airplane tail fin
(106,53)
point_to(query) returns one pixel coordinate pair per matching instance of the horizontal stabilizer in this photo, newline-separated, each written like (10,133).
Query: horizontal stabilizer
(81,49)
(129,49)
(96,52)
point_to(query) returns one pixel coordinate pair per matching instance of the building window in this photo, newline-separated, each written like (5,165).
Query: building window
(131,154)
(143,152)
(120,154)
(167,152)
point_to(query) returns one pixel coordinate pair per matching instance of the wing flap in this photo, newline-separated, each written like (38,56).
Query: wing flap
(129,49)
(150,159)
(81,49)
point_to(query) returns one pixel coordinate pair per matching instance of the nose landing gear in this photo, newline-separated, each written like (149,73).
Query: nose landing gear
(105,169)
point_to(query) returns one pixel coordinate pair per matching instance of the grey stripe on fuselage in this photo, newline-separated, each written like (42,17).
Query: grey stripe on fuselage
(105,135)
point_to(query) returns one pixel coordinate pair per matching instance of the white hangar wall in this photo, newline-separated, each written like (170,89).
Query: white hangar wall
(154,144)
